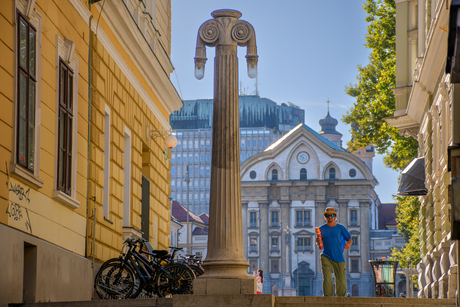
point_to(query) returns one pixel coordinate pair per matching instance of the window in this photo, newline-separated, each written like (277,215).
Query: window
(249,143)
(260,143)
(64,168)
(253,244)
(332,173)
(275,244)
(253,266)
(266,143)
(352,173)
(178,159)
(196,158)
(190,158)
(354,266)
(354,244)
(127,179)
(253,219)
(353,217)
(275,174)
(208,157)
(201,171)
(202,157)
(303,174)
(27,82)
(274,215)
(173,171)
(252,175)
(254,143)
(178,146)
(274,266)
(303,244)
(106,171)
(303,218)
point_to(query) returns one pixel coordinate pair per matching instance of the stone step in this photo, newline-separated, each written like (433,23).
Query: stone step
(151,302)
(360,301)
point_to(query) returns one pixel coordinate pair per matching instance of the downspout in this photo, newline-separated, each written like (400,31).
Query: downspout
(88,151)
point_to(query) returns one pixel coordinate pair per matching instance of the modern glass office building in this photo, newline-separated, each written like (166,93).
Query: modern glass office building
(262,122)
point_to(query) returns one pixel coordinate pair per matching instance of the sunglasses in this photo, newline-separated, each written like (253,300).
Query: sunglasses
(328,216)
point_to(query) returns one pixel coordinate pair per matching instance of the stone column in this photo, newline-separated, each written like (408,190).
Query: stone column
(320,208)
(245,228)
(364,234)
(285,222)
(225,265)
(263,239)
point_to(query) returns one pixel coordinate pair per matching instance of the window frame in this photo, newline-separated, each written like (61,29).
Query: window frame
(303,218)
(34,20)
(301,175)
(303,238)
(251,224)
(272,225)
(65,51)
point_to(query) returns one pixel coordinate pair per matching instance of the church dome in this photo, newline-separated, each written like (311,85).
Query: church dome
(328,125)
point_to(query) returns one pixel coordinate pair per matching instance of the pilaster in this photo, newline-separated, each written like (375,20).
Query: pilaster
(364,233)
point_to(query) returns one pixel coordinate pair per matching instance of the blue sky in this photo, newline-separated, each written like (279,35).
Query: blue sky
(308,52)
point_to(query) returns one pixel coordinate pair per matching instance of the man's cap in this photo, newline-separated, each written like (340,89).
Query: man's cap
(330,210)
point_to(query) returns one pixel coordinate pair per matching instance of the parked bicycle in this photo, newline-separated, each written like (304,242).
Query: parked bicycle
(150,272)
(194,262)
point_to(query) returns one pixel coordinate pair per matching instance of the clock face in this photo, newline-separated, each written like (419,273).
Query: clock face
(303,157)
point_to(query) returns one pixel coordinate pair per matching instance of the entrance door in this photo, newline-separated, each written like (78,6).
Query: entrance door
(304,286)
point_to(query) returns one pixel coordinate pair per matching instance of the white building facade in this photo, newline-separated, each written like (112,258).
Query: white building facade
(285,191)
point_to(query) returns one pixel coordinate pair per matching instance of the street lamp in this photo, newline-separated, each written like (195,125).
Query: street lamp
(287,241)
(297,283)
(187,179)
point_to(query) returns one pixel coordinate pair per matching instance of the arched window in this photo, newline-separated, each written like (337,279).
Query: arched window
(275,174)
(332,173)
(303,174)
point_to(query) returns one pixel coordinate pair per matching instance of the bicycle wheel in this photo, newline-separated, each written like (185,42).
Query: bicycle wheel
(114,281)
(196,269)
(175,279)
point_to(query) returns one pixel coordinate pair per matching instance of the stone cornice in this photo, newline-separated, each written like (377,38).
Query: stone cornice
(431,67)
(125,29)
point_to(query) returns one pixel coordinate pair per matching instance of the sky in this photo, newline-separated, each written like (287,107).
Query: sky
(308,52)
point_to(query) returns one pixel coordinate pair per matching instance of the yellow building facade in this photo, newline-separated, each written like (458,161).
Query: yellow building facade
(83,85)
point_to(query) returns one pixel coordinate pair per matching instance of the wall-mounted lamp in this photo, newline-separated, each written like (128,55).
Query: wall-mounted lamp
(170,140)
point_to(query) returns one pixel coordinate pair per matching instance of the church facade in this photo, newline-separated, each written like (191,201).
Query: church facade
(285,190)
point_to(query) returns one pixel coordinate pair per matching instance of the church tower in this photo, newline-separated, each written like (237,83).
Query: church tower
(328,125)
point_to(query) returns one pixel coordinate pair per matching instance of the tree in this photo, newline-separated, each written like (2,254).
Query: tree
(408,227)
(374,102)
(373,92)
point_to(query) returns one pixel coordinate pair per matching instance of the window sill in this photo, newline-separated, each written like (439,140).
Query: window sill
(66,199)
(309,226)
(20,173)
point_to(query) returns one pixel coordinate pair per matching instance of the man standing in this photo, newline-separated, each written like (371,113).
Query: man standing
(335,239)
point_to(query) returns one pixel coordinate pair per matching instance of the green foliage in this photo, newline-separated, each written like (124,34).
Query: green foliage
(373,91)
(374,102)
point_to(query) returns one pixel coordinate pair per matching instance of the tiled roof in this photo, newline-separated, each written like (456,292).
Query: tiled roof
(179,212)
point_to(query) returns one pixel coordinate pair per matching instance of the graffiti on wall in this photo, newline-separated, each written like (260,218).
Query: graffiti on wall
(17,213)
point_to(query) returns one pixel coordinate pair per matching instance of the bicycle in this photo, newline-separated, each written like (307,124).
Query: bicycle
(194,262)
(152,274)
